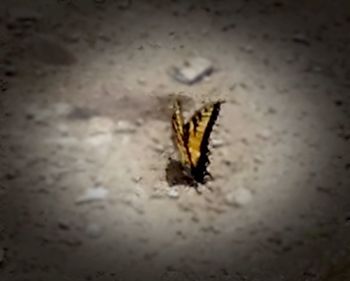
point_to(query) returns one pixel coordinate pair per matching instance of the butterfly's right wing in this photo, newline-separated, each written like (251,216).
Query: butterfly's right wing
(197,133)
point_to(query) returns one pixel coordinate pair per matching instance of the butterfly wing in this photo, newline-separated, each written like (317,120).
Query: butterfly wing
(196,138)
(178,132)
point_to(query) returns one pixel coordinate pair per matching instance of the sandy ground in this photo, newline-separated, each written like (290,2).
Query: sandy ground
(85,102)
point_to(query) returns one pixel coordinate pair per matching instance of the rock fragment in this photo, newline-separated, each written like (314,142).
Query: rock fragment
(92,194)
(193,70)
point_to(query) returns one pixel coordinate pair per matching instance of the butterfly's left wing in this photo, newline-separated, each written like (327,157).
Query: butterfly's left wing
(177,122)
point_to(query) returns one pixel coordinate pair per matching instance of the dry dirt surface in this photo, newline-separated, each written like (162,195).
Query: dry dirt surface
(85,187)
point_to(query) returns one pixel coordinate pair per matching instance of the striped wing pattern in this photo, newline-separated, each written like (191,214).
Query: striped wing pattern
(178,130)
(193,137)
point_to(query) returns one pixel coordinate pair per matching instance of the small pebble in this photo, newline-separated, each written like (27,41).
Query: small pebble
(239,198)
(100,125)
(124,126)
(264,134)
(173,193)
(92,194)
(99,140)
(215,143)
(64,225)
(301,38)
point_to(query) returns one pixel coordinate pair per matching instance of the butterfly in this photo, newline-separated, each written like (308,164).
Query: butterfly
(192,138)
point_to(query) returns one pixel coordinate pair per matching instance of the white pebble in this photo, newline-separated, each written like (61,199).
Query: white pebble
(92,194)
(239,198)
(173,193)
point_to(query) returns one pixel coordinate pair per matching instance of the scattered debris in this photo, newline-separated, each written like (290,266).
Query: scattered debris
(173,193)
(93,230)
(62,128)
(73,36)
(264,134)
(50,50)
(69,241)
(42,115)
(157,194)
(136,179)
(124,5)
(275,239)
(210,229)
(99,140)
(2,255)
(8,69)
(81,113)
(325,190)
(158,147)
(228,27)
(124,126)
(272,110)
(258,159)
(25,14)
(62,141)
(100,125)
(3,85)
(135,201)
(247,48)
(159,191)
(64,225)
(62,109)
(215,143)
(92,194)
(301,38)
(141,81)
(239,198)
(20,21)
(193,70)
(38,115)
(347,219)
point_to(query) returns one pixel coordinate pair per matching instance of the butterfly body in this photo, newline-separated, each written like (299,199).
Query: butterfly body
(192,138)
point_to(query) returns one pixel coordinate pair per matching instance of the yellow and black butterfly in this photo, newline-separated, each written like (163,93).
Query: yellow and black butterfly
(192,138)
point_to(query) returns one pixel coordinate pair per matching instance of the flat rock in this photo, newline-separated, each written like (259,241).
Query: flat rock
(193,70)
